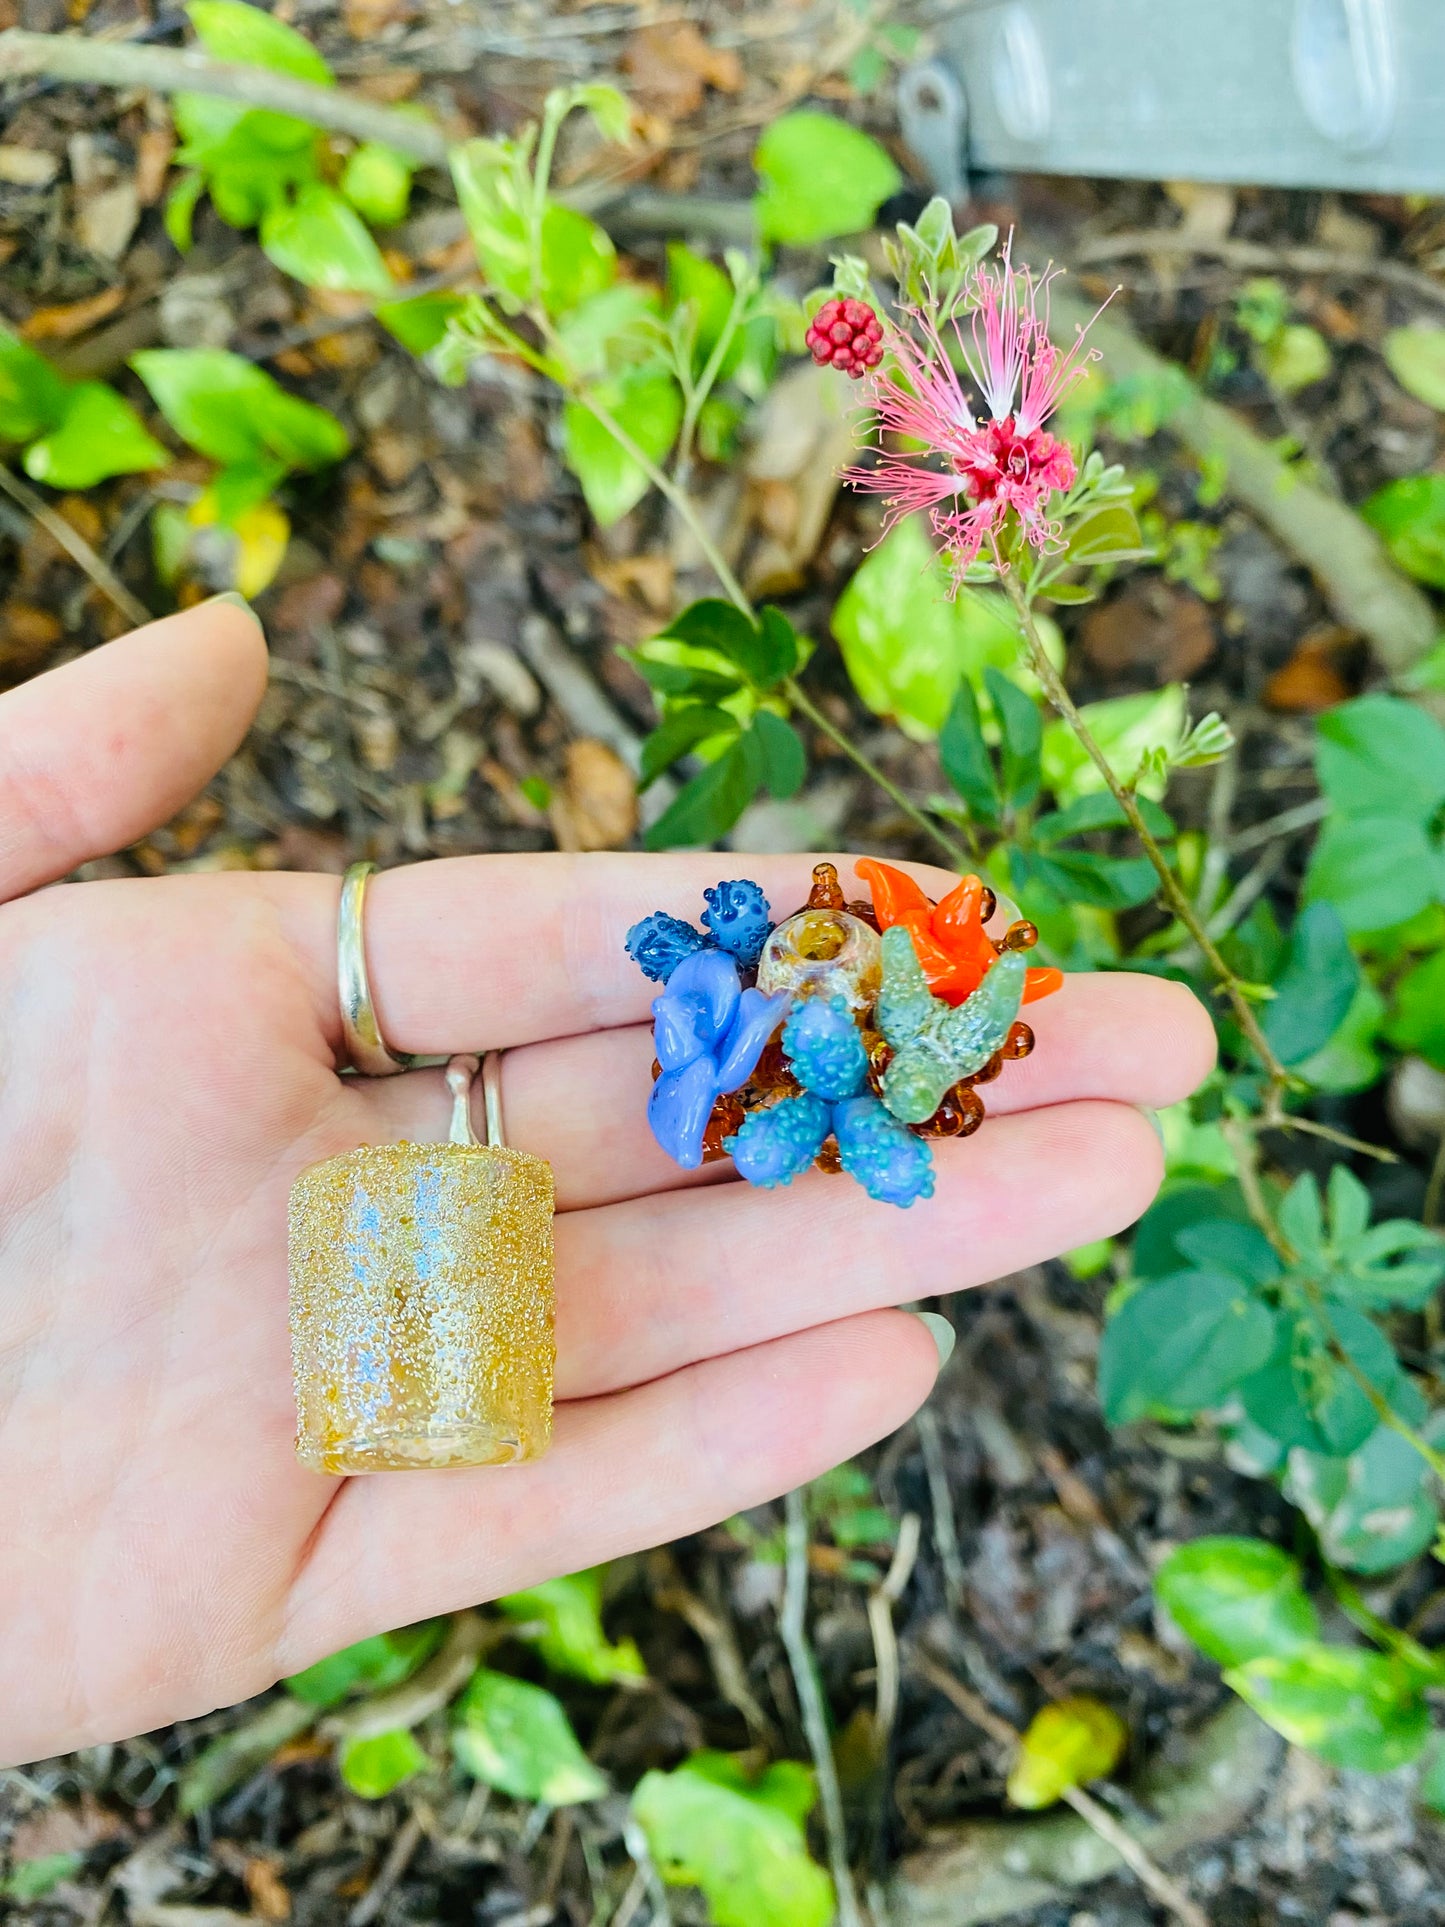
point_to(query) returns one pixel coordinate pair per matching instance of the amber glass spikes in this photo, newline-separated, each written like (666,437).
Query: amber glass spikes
(422,1308)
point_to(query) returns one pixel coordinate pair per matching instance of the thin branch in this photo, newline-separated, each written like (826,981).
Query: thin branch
(1052,685)
(794,1629)
(955,853)
(95,62)
(75,545)
(1252,254)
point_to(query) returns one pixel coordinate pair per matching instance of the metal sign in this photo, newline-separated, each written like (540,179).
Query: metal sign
(1293,93)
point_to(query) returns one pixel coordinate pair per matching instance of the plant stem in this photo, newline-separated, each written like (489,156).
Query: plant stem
(955,853)
(74,544)
(793,1624)
(706,382)
(1347,1595)
(93,62)
(1052,684)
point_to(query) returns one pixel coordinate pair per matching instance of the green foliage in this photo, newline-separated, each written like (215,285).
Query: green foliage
(376,1766)
(718,680)
(370,1666)
(1065,1745)
(230,410)
(1350,1707)
(1381,765)
(907,642)
(820,178)
(1315,989)
(739,1837)
(1416,358)
(265,170)
(77,433)
(31,1880)
(1410,515)
(1372,1511)
(562,1618)
(1237,1599)
(1132,731)
(517,1738)
(646,405)
(931,263)
(420,321)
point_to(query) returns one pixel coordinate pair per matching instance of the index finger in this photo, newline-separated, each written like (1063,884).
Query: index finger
(486,952)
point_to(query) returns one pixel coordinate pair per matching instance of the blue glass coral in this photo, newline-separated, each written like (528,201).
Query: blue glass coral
(708,1033)
(737,921)
(822,1044)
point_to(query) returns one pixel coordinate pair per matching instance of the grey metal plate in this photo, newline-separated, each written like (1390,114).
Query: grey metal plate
(1299,93)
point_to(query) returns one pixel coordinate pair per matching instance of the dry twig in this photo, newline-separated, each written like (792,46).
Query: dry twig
(74,545)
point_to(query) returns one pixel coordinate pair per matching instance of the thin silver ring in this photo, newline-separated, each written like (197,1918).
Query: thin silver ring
(366,1048)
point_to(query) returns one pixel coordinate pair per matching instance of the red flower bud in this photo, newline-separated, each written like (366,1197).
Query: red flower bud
(846,335)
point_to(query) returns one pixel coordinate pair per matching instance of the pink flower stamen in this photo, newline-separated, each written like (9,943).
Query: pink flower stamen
(1006,464)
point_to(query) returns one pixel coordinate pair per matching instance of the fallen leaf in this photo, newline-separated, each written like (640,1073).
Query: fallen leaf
(104,222)
(27,632)
(671,65)
(1150,625)
(72,318)
(649,579)
(152,162)
(270,1896)
(596,808)
(1312,678)
(27,166)
(63,1829)
(364,19)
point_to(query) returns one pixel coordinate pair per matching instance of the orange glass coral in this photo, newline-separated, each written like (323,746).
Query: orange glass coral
(953,948)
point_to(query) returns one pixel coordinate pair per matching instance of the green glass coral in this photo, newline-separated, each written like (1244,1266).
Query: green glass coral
(934,1043)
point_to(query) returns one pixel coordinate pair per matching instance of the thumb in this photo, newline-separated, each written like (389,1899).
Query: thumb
(97,753)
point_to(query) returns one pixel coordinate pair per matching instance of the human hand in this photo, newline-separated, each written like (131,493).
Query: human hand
(168,1065)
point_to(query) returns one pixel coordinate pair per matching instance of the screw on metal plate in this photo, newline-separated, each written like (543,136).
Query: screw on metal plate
(1343,56)
(933,118)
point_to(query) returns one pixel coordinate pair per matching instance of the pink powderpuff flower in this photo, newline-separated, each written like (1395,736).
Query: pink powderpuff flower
(1007,461)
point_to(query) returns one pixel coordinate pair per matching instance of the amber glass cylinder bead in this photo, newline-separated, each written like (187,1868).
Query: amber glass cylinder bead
(422,1308)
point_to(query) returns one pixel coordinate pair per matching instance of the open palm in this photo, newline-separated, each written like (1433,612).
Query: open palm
(168,1060)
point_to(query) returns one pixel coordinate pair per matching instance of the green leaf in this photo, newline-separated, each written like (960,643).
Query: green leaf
(324,242)
(764,654)
(1109,533)
(682,678)
(1157,1251)
(1377,871)
(377,182)
(98,435)
(1077,876)
(230,410)
(783,759)
(820,178)
(608,107)
(964,758)
(517,1738)
(1181,1343)
(1349,1061)
(1417,1021)
(1416,358)
(1373,1510)
(180,210)
(420,320)
(563,1620)
(371,1665)
(1349,1707)
(32,1880)
(1297,357)
(1022,732)
(1127,729)
(1410,515)
(696,282)
(1302,1216)
(611,331)
(493,183)
(907,641)
(1099,811)
(578,259)
(375,1767)
(1237,1599)
(1314,991)
(705,809)
(1065,1745)
(33,397)
(1381,756)
(232,31)
(1305,1397)
(740,1840)
(647,406)
(1239,1250)
(683,730)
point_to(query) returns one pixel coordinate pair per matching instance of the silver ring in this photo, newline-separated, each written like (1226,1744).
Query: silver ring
(361,1033)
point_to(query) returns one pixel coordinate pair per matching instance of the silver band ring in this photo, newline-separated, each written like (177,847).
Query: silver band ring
(366,1049)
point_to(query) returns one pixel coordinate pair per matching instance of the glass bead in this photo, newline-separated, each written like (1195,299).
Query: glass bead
(823,953)
(1020,1041)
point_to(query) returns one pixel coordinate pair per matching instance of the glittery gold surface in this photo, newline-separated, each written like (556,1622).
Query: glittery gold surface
(421,1308)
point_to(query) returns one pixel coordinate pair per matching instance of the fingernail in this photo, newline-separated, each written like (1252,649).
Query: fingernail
(941,1332)
(236,600)
(1153,1119)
